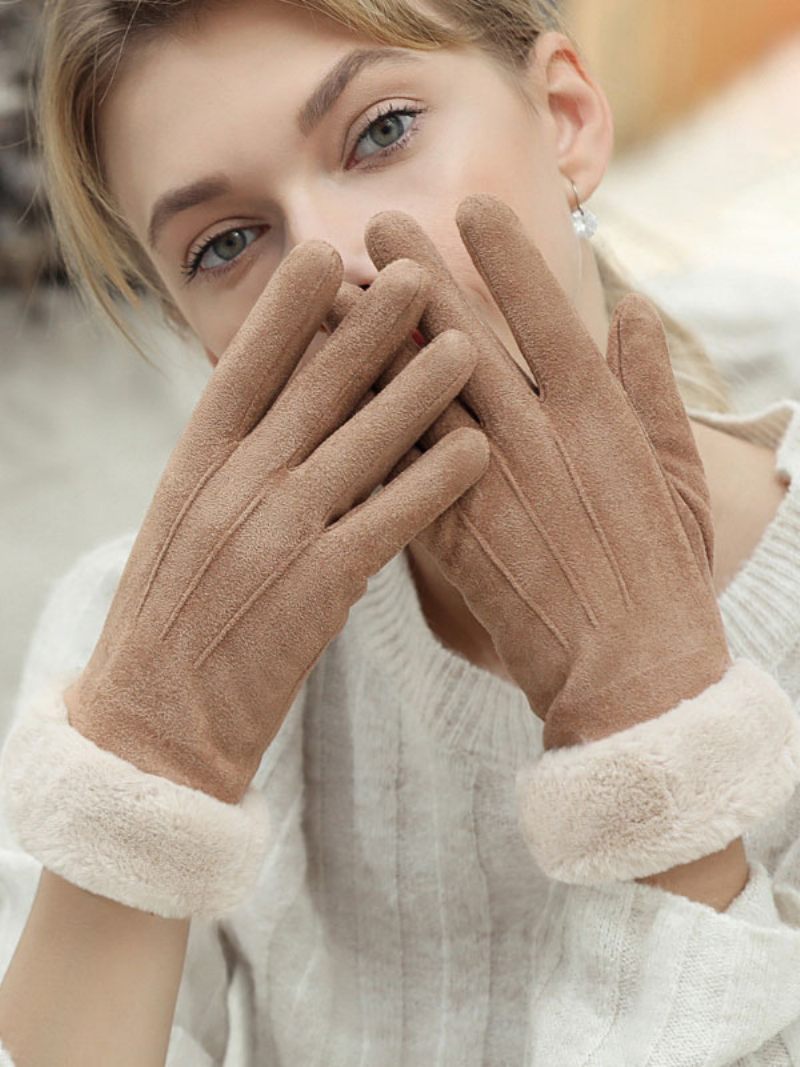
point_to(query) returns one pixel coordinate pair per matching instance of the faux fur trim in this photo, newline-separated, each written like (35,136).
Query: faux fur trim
(666,791)
(104,825)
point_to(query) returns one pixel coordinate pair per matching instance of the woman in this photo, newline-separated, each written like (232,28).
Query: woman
(408,892)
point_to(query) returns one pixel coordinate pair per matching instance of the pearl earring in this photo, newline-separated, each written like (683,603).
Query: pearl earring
(583,220)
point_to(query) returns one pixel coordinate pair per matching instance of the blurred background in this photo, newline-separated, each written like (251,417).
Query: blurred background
(701,206)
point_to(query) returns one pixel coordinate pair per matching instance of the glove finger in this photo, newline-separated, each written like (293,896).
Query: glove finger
(382,525)
(497,386)
(321,396)
(250,374)
(548,329)
(346,300)
(258,362)
(358,457)
(638,356)
(455,414)
(403,463)
(428,535)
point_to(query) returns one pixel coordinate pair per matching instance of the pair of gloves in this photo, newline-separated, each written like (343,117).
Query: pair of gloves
(573,515)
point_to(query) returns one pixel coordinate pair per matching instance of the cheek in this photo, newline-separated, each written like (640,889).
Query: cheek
(216,317)
(216,332)
(523,173)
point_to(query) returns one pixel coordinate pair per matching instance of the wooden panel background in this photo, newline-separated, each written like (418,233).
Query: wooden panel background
(656,59)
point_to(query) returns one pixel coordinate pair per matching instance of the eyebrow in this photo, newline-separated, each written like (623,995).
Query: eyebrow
(307,119)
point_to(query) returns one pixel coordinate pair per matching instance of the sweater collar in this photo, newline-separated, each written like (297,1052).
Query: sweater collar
(470,711)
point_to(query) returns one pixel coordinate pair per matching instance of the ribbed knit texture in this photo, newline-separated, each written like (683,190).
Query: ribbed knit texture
(399,918)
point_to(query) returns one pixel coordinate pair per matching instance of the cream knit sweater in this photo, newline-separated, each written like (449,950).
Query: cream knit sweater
(400,921)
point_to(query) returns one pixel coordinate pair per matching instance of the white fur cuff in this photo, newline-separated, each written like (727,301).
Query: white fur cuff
(106,826)
(666,791)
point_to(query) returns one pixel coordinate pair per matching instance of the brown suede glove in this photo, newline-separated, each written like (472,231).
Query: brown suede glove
(260,537)
(586,552)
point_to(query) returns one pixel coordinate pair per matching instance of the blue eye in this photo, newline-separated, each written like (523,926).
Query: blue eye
(387,124)
(228,245)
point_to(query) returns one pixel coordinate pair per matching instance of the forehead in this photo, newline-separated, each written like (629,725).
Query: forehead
(205,89)
(271,37)
(220,52)
(175,89)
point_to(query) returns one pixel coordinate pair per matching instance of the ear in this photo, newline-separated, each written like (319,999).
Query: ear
(575,109)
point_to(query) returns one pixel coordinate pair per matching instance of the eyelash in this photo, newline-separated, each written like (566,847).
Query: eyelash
(192,268)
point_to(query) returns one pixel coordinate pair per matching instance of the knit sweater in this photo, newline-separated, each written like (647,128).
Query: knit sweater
(399,918)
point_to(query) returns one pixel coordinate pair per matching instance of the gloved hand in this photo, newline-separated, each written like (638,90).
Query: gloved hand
(586,552)
(260,537)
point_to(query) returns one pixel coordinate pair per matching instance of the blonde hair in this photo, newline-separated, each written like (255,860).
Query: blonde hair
(83,42)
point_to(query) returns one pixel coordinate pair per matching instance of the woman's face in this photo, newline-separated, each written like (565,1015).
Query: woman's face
(219,106)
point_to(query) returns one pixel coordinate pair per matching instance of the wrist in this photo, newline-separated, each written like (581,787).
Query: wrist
(99,822)
(715,880)
(646,798)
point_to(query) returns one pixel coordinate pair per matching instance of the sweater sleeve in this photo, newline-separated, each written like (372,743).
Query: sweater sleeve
(71,618)
(638,975)
(68,627)
(99,820)
(63,638)
(632,974)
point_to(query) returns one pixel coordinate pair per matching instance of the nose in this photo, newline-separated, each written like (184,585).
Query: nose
(319,213)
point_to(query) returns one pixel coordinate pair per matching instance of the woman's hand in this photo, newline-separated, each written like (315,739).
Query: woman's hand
(263,530)
(586,549)
(133,778)
(586,552)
